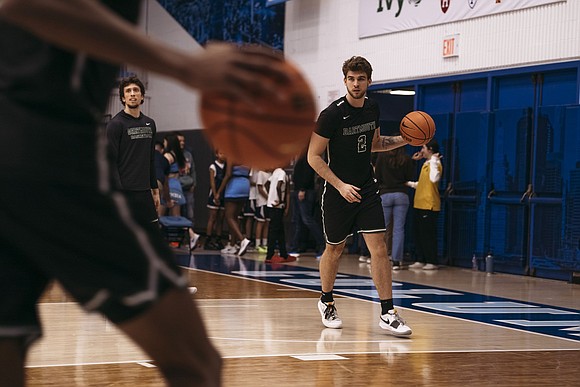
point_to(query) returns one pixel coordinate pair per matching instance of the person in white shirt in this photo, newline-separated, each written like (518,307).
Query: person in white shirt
(262,220)
(277,204)
(426,206)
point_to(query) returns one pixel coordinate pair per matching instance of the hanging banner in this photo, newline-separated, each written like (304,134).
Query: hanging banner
(378,17)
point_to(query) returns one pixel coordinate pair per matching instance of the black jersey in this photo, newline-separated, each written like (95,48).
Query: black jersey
(51,101)
(350,131)
(220,174)
(132,151)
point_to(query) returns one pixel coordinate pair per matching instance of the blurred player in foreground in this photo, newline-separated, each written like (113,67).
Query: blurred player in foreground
(58,66)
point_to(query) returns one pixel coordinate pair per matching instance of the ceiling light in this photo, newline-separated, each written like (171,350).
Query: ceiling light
(402,92)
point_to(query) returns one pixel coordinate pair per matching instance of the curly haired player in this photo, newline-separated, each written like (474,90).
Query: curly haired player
(348,131)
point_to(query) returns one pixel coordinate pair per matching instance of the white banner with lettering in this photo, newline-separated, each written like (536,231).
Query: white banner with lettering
(377,17)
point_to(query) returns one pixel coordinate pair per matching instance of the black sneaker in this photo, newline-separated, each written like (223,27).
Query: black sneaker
(398,265)
(210,244)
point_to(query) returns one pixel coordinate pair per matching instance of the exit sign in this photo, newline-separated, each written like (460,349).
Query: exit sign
(451,46)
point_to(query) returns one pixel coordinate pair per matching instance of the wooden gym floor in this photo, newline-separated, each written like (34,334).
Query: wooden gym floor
(470,329)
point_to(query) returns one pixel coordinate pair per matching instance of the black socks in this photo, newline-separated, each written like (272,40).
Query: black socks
(386,305)
(326,297)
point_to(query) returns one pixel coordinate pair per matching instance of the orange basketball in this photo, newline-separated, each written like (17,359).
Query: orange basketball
(417,128)
(266,134)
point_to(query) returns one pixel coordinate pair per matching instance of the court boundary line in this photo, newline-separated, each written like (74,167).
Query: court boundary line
(397,306)
(312,353)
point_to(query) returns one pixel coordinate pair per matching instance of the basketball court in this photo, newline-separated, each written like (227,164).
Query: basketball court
(469,328)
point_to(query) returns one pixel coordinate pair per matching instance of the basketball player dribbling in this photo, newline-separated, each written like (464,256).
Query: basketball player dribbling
(348,131)
(58,64)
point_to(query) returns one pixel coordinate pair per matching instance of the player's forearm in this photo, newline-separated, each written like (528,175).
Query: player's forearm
(387,143)
(165,190)
(223,185)
(279,193)
(89,27)
(263,191)
(323,170)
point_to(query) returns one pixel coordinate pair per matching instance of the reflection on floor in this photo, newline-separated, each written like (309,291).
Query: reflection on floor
(500,329)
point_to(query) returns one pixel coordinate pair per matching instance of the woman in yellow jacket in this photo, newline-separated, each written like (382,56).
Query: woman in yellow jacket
(427,204)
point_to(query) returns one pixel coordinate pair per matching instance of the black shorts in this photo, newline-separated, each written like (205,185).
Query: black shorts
(260,214)
(250,208)
(211,203)
(109,260)
(142,206)
(340,219)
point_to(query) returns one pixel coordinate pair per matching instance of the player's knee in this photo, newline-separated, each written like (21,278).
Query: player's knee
(333,251)
(379,251)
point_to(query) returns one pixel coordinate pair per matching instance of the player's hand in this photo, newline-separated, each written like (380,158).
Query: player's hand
(246,72)
(156,198)
(350,193)
(301,195)
(417,155)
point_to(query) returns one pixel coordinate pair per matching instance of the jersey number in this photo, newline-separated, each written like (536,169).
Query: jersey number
(362,143)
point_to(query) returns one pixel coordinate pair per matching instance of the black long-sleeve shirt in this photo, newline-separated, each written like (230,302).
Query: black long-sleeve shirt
(303,175)
(131,150)
(394,179)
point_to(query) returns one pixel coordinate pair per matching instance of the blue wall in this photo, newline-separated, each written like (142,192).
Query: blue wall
(511,146)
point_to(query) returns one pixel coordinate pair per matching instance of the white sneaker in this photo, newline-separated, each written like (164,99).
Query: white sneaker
(394,324)
(416,265)
(243,246)
(193,241)
(362,258)
(226,249)
(329,316)
(368,261)
(229,249)
(430,266)
(192,290)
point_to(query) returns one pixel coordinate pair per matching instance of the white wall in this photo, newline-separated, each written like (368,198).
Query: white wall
(321,34)
(172,106)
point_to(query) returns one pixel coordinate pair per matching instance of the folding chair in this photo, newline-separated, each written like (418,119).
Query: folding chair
(175,228)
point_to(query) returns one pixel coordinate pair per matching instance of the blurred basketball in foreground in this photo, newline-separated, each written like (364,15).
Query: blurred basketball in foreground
(266,134)
(417,128)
